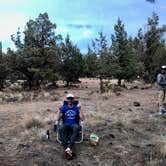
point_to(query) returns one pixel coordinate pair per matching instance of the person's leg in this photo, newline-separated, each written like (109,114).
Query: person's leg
(164,100)
(75,130)
(161,99)
(63,135)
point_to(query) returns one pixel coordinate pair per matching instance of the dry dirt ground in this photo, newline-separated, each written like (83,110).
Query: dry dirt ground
(129,135)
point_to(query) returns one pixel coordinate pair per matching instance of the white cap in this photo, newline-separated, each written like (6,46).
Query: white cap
(163,67)
(69,96)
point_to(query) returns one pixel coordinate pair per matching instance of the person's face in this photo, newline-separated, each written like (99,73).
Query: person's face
(70,100)
(163,71)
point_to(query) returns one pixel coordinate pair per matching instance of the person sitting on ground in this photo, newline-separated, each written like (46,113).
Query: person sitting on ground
(70,114)
(161,81)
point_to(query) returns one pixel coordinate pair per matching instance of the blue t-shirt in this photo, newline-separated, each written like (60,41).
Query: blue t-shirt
(70,114)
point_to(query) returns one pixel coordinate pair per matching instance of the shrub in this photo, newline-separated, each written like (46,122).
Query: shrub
(33,123)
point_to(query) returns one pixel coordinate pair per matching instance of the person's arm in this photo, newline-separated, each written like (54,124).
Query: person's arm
(57,120)
(82,117)
(80,112)
(79,105)
(59,115)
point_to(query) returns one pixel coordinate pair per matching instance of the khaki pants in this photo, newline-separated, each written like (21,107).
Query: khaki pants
(162,97)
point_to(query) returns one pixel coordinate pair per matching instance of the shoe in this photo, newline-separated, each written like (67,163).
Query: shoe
(162,112)
(161,108)
(69,154)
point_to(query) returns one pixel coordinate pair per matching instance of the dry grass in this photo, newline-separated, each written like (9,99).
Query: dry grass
(128,135)
(33,123)
(160,142)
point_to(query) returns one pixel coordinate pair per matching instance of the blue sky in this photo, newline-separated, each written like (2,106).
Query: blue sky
(82,19)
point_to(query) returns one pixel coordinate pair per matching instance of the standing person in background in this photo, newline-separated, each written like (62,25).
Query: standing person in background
(161,81)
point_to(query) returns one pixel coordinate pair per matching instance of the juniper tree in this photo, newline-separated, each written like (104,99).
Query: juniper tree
(71,62)
(37,53)
(125,60)
(153,42)
(90,63)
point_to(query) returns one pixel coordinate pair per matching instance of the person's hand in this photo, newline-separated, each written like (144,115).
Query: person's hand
(82,123)
(56,122)
(79,106)
(55,125)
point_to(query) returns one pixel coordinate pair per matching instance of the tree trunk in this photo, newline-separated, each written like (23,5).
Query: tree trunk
(0,51)
(119,81)
(101,85)
(67,83)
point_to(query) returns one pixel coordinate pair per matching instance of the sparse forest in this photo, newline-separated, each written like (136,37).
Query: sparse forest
(113,81)
(43,57)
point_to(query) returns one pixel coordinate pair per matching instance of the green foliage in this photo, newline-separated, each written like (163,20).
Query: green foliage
(37,58)
(71,62)
(42,57)
(104,56)
(3,74)
(4,69)
(101,64)
(153,41)
(159,59)
(100,58)
(126,63)
(138,45)
(90,64)
(0,50)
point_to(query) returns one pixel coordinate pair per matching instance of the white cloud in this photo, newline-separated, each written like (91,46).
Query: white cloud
(10,25)
(9,2)
(62,30)
(11,22)
(86,33)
